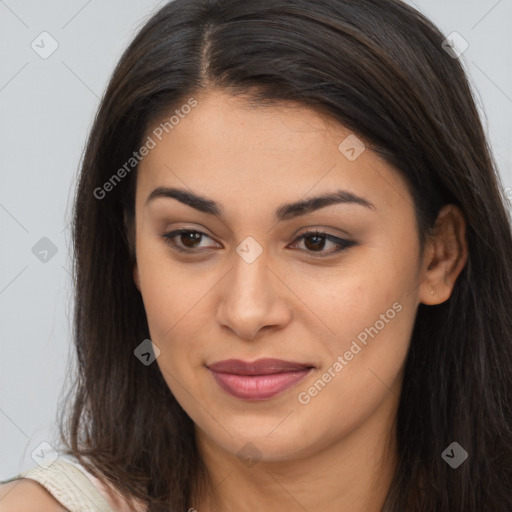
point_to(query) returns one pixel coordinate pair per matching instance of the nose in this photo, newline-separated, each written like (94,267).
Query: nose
(252,299)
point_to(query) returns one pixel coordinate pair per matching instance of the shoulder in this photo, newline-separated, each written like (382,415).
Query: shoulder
(25,495)
(64,485)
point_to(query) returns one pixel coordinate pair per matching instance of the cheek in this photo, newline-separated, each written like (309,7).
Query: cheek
(363,314)
(342,301)
(358,377)
(169,290)
(372,322)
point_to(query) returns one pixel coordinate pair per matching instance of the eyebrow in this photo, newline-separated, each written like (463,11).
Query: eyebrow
(284,212)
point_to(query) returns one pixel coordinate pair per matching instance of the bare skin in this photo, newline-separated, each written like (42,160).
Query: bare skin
(329,450)
(25,495)
(336,452)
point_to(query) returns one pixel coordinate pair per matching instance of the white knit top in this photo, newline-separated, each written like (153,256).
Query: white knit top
(76,489)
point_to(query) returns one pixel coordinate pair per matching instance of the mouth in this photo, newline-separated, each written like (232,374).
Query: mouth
(258,380)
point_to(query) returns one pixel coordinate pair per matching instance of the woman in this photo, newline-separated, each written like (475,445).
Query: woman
(292,273)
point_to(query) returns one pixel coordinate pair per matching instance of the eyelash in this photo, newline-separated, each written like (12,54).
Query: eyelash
(345,244)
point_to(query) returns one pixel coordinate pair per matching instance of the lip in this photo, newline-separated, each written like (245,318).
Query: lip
(258,380)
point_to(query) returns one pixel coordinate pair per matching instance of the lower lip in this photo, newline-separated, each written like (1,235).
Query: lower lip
(258,387)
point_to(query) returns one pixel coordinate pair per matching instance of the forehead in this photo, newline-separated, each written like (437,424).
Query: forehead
(237,152)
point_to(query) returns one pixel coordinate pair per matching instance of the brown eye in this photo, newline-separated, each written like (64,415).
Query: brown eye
(323,244)
(315,242)
(187,240)
(190,239)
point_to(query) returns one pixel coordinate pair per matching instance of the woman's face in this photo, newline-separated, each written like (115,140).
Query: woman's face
(252,280)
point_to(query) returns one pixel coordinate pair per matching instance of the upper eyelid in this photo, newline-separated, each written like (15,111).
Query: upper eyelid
(310,232)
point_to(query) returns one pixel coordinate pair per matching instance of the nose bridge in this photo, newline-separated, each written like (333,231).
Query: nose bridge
(250,300)
(249,291)
(250,271)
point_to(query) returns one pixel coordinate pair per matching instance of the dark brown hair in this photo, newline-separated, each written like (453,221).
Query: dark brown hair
(378,68)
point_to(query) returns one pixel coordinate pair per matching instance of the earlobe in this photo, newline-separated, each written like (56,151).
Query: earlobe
(445,256)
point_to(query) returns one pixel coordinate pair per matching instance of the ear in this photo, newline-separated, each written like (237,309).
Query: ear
(445,256)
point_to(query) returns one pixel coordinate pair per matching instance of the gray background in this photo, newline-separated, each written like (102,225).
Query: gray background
(47,106)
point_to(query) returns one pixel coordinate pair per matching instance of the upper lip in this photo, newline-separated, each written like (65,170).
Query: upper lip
(265,366)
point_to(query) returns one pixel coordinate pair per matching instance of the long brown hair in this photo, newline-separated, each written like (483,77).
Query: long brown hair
(377,67)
